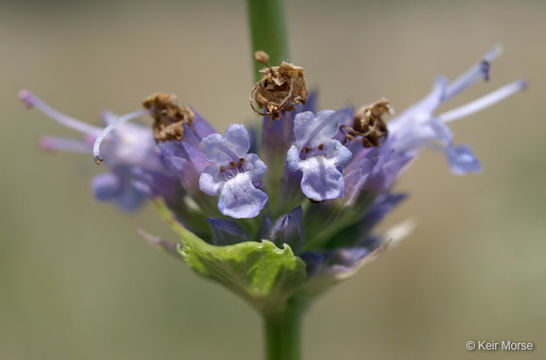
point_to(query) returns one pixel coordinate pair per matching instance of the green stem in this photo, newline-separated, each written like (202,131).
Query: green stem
(268,31)
(283,332)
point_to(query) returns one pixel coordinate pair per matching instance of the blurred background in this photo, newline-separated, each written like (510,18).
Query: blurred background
(78,282)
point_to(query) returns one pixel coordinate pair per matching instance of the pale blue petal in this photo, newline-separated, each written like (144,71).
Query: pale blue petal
(330,129)
(237,140)
(222,149)
(209,181)
(462,160)
(302,123)
(240,199)
(340,153)
(321,179)
(293,158)
(214,149)
(315,131)
(106,186)
(255,166)
(131,199)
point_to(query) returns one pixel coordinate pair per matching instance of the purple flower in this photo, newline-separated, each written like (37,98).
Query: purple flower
(186,161)
(234,173)
(420,126)
(136,169)
(345,162)
(318,155)
(376,169)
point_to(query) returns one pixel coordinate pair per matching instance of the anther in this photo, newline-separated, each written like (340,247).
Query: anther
(26,97)
(107,130)
(222,168)
(169,117)
(280,89)
(321,147)
(262,57)
(232,164)
(484,66)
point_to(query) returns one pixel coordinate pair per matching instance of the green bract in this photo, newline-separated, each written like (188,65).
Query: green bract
(260,272)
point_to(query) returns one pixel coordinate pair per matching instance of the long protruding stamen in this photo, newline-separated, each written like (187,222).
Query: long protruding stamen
(107,130)
(56,143)
(32,100)
(108,117)
(483,102)
(478,72)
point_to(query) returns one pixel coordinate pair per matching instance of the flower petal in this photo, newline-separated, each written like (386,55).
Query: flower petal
(233,145)
(321,179)
(213,148)
(106,186)
(209,181)
(240,199)
(462,160)
(237,139)
(255,166)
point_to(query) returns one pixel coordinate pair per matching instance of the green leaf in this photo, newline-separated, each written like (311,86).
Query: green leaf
(260,272)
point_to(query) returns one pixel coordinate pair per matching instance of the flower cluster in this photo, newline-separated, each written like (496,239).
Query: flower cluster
(314,184)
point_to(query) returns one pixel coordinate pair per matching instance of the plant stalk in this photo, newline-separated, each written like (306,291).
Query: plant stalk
(283,332)
(267,31)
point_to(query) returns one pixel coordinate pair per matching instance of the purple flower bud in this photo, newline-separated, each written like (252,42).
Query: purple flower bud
(288,230)
(226,232)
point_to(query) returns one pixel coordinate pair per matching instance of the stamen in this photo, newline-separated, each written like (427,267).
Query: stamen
(169,117)
(483,102)
(32,100)
(478,72)
(108,117)
(55,143)
(107,130)
(262,57)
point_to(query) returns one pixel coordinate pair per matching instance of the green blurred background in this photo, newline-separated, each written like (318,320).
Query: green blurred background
(77,282)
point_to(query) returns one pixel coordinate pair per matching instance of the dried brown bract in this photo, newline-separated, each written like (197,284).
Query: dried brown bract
(368,124)
(169,117)
(280,89)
